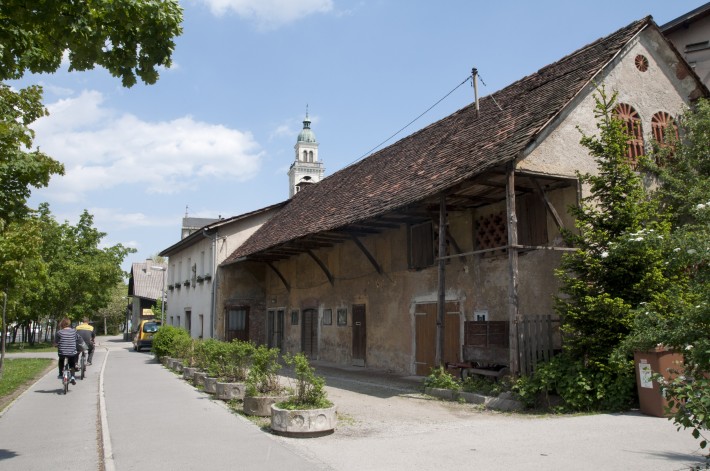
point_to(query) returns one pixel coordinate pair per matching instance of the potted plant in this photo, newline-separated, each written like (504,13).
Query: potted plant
(200,279)
(308,412)
(233,367)
(263,387)
(204,350)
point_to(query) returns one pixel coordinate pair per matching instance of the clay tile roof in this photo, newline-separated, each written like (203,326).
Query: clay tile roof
(442,154)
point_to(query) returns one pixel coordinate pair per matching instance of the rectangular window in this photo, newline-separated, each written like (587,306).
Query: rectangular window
(421,245)
(342,317)
(202,270)
(532,219)
(294,317)
(237,319)
(699,46)
(327,316)
(188,321)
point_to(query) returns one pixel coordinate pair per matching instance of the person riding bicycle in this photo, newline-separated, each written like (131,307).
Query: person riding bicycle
(66,340)
(86,331)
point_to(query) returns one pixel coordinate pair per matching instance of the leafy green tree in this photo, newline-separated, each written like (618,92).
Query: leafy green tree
(619,265)
(128,38)
(620,258)
(113,314)
(679,316)
(21,169)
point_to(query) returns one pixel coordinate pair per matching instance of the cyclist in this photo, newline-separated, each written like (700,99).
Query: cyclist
(66,340)
(86,331)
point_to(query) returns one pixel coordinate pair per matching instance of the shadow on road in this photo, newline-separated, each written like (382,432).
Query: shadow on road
(7,454)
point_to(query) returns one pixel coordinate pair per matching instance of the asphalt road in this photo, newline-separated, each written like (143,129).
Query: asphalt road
(133,414)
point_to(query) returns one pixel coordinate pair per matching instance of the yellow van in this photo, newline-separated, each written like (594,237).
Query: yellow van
(143,337)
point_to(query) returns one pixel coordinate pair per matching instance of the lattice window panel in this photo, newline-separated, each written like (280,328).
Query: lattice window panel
(491,231)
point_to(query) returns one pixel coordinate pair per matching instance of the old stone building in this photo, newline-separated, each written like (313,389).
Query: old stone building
(458,221)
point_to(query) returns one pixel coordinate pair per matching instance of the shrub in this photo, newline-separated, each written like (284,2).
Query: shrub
(164,341)
(204,351)
(591,386)
(442,379)
(229,361)
(184,348)
(310,390)
(263,378)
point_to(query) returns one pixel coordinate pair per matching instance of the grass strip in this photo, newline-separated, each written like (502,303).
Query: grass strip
(18,375)
(25,347)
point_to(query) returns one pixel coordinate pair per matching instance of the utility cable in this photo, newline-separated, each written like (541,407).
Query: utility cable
(411,122)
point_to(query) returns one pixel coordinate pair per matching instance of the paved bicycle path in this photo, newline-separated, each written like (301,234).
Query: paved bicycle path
(44,429)
(153,419)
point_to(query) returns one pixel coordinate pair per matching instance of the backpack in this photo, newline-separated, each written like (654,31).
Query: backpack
(80,344)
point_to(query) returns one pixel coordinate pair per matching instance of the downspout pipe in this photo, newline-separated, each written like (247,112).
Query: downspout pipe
(212,235)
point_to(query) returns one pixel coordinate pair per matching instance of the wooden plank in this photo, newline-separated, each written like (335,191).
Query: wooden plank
(513,301)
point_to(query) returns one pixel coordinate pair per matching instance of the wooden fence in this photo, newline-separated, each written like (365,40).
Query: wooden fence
(487,342)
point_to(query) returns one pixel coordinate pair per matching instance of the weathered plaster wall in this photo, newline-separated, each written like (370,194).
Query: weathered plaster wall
(390,299)
(660,88)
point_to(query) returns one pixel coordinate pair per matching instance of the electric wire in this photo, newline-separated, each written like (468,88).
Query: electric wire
(468,78)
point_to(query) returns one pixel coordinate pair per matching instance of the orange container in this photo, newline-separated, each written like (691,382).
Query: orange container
(664,362)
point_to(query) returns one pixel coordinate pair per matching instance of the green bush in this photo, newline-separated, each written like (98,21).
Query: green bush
(263,379)
(309,389)
(591,386)
(204,351)
(184,348)
(229,361)
(164,341)
(441,379)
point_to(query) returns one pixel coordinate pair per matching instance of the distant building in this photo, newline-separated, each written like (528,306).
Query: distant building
(146,282)
(690,34)
(306,168)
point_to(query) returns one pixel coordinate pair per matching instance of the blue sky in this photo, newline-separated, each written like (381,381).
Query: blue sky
(216,133)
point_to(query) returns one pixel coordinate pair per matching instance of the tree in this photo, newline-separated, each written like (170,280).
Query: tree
(619,265)
(21,169)
(620,259)
(114,313)
(128,38)
(679,316)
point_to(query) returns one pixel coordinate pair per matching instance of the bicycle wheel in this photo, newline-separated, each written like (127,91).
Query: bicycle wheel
(83,366)
(65,381)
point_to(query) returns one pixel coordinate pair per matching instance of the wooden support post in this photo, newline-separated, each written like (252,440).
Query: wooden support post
(512,222)
(441,301)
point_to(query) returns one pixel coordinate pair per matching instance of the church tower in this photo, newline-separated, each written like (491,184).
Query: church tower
(306,169)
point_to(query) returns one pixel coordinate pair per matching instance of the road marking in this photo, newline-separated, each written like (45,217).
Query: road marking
(109,465)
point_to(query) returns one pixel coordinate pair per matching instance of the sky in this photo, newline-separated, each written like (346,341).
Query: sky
(215,135)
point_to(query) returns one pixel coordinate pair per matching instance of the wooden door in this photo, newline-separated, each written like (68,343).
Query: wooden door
(359,335)
(275,329)
(425,336)
(237,321)
(309,333)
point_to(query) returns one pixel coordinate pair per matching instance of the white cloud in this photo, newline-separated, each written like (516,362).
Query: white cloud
(270,14)
(103,149)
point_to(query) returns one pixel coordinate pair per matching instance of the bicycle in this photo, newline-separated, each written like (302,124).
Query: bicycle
(66,376)
(82,364)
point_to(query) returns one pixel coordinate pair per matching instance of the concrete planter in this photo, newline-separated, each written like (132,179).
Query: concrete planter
(303,423)
(171,363)
(188,373)
(210,385)
(229,391)
(449,394)
(165,361)
(198,379)
(504,402)
(261,405)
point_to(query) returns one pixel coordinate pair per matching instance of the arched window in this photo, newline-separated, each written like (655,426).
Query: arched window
(305,156)
(632,121)
(310,156)
(664,127)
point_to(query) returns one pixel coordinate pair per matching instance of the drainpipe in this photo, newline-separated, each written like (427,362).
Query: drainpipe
(213,301)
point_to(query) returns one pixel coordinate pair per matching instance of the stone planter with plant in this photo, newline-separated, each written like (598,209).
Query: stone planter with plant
(231,366)
(263,387)
(308,412)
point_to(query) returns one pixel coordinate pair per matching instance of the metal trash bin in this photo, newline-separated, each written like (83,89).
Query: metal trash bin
(662,361)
